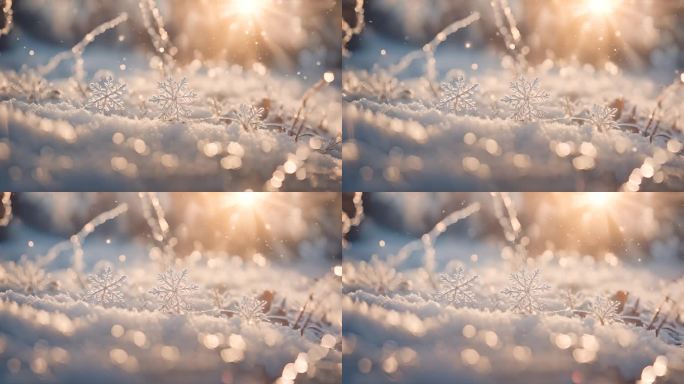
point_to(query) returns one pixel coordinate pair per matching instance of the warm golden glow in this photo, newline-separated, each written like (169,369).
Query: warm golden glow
(245,8)
(249,199)
(598,199)
(600,7)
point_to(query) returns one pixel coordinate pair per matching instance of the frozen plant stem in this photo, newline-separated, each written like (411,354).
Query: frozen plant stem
(77,239)
(154,25)
(9,17)
(300,112)
(76,51)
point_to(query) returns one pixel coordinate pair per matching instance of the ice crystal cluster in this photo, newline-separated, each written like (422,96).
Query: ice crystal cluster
(106,95)
(172,291)
(457,95)
(526,99)
(104,288)
(525,291)
(456,288)
(174,99)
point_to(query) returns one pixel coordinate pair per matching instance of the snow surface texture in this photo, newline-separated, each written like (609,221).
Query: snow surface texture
(397,136)
(238,320)
(397,329)
(59,132)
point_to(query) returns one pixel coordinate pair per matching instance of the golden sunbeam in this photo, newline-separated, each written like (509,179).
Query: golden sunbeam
(600,8)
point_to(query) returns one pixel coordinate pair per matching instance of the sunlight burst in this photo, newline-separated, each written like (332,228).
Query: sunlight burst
(600,7)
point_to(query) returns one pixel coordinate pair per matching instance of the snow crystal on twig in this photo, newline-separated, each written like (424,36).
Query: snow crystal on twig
(250,310)
(603,118)
(456,288)
(173,289)
(249,117)
(174,99)
(605,310)
(105,288)
(526,98)
(106,95)
(525,290)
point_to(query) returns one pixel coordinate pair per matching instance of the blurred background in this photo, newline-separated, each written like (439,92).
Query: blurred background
(291,226)
(626,33)
(285,35)
(636,226)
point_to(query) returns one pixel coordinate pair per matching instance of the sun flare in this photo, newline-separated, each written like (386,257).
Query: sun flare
(600,7)
(245,8)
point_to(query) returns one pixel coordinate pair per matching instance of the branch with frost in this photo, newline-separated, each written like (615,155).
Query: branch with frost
(75,241)
(510,34)
(154,25)
(426,241)
(427,52)
(6,202)
(76,52)
(349,31)
(154,215)
(354,221)
(299,117)
(8,14)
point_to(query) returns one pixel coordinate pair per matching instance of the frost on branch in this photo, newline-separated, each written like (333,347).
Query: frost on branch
(105,288)
(174,99)
(250,310)
(457,95)
(605,310)
(525,290)
(526,98)
(603,118)
(249,117)
(106,95)
(173,290)
(456,288)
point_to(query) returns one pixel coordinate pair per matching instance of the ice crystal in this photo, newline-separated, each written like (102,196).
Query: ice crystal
(525,290)
(385,86)
(526,99)
(250,310)
(27,276)
(172,290)
(174,99)
(603,118)
(605,310)
(378,276)
(105,288)
(456,288)
(249,117)
(106,95)
(457,95)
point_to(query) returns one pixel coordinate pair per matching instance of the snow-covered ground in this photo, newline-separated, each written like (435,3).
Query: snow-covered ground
(59,142)
(401,326)
(395,137)
(239,318)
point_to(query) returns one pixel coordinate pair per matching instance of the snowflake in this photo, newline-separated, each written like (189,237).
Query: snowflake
(249,117)
(172,291)
(605,310)
(572,299)
(27,276)
(104,288)
(455,288)
(526,99)
(378,276)
(107,95)
(250,310)
(525,290)
(174,98)
(603,118)
(457,96)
